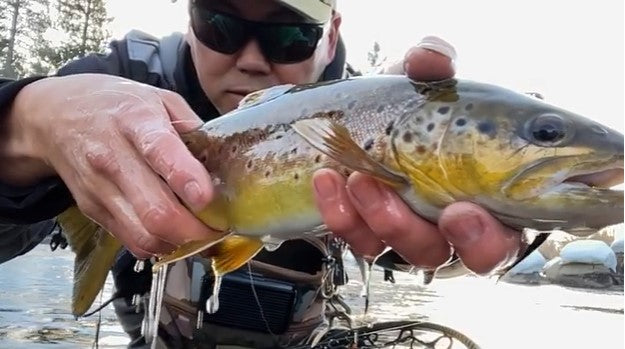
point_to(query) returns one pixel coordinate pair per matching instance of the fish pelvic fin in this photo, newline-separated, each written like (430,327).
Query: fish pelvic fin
(95,251)
(335,141)
(233,252)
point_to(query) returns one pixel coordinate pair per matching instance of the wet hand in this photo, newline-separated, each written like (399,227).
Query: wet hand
(370,216)
(115,144)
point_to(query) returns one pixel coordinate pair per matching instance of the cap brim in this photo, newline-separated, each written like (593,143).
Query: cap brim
(316,10)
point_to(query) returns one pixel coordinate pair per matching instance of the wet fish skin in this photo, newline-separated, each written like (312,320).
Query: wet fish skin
(434,143)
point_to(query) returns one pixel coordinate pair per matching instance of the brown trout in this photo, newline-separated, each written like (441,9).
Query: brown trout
(529,163)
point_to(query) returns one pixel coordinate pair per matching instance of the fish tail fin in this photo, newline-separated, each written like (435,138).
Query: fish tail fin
(95,251)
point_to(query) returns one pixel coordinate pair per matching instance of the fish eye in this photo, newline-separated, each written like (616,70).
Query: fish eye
(548,130)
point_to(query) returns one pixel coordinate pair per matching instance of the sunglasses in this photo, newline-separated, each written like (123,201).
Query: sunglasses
(281,43)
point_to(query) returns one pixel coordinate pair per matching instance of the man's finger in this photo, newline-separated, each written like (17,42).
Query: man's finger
(159,210)
(340,216)
(432,59)
(481,241)
(392,221)
(182,117)
(160,146)
(114,213)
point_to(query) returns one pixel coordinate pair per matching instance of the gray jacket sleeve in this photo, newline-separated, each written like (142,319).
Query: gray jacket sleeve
(17,239)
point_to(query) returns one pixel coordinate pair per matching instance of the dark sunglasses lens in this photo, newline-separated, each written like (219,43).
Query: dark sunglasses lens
(219,32)
(289,43)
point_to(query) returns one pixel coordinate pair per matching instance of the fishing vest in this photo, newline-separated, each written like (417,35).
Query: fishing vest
(276,300)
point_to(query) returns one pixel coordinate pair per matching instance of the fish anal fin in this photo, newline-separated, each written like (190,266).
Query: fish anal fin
(334,140)
(95,251)
(233,252)
(189,249)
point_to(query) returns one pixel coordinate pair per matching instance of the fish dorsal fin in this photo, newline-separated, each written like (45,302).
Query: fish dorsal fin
(95,251)
(264,95)
(233,252)
(334,140)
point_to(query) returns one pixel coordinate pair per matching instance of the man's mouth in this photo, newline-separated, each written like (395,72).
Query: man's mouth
(240,92)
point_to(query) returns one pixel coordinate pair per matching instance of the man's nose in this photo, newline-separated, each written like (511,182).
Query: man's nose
(251,59)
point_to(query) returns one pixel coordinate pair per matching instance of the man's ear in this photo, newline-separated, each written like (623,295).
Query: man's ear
(333,35)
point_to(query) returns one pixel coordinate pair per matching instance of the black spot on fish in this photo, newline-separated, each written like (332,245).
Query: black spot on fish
(461,122)
(380,109)
(368,144)
(443,110)
(430,127)
(294,151)
(279,136)
(389,128)
(318,158)
(407,137)
(296,176)
(468,107)
(267,173)
(234,149)
(486,127)
(418,120)
(249,164)
(421,149)
(351,105)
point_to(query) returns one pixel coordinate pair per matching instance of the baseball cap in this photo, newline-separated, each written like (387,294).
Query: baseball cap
(318,11)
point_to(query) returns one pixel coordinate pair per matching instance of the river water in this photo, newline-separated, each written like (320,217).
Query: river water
(35,297)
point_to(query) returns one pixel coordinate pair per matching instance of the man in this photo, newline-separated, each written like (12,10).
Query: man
(103,134)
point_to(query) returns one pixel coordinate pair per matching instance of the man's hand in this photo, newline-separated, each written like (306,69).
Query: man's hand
(370,216)
(114,144)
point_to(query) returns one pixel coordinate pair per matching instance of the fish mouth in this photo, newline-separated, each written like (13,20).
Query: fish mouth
(603,179)
(587,174)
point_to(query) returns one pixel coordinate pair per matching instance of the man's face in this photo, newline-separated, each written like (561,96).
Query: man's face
(227,78)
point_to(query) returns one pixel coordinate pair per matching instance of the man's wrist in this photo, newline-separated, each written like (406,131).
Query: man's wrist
(22,165)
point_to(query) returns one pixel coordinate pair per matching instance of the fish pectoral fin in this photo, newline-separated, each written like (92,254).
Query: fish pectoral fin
(95,251)
(189,249)
(334,140)
(234,251)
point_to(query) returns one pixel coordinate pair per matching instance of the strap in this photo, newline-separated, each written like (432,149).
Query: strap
(169,48)
(159,55)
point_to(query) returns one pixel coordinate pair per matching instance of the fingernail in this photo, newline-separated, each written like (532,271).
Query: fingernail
(465,231)
(438,45)
(192,193)
(367,193)
(325,187)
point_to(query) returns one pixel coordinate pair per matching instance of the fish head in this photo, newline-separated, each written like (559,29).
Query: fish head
(534,163)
